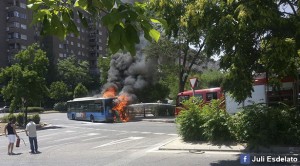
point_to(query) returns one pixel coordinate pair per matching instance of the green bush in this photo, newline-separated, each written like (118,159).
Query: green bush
(190,122)
(20,119)
(259,125)
(61,106)
(35,118)
(5,119)
(35,109)
(216,123)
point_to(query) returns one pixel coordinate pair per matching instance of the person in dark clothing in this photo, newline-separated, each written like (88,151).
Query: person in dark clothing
(10,132)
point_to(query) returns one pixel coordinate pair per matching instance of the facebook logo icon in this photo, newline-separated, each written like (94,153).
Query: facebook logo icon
(245,159)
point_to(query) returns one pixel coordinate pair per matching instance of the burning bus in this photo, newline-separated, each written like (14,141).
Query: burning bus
(91,109)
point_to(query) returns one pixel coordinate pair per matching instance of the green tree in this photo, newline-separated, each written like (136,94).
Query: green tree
(25,80)
(80,91)
(254,37)
(210,78)
(73,71)
(59,91)
(152,93)
(184,34)
(165,52)
(123,20)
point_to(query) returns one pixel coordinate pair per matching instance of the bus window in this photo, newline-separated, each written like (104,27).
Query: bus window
(99,108)
(91,107)
(199,96)
(181,99)
(211,95)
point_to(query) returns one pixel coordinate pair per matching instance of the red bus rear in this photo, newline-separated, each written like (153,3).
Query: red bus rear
(203,94)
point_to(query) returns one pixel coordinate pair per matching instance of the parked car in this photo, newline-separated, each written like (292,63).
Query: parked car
(4,109)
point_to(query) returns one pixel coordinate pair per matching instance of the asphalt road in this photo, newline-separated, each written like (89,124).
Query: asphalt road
(80,143)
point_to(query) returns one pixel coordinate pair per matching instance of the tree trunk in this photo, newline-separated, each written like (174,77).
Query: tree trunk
(25,122)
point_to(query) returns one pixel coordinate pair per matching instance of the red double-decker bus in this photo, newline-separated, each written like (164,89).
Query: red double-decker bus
(206,95)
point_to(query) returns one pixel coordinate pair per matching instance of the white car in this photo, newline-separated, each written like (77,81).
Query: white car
(4,109)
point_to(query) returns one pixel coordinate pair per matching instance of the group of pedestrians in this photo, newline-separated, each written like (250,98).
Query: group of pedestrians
(11,134)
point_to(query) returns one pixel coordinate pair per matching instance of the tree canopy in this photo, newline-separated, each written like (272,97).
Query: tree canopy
(73,72)
(80,91)
(190,39)
(24,81)
(250,37)
(124,21)
(59,91)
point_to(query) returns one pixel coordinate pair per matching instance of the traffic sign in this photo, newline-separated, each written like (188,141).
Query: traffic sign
(193,82)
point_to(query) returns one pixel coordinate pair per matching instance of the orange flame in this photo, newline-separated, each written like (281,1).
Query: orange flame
(110,92)
(120,107)
(122,102)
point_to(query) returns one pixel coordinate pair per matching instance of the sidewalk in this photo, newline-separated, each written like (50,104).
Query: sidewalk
(156,119)
(179,144)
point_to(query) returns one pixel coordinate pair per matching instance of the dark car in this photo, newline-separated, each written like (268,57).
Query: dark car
(4,109)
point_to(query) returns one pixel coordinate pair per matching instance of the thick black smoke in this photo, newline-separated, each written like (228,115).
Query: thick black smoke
(129,73)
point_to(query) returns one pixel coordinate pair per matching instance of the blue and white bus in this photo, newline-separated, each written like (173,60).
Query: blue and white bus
(91,109)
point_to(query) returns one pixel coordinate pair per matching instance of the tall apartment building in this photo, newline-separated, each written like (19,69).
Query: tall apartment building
(16,34)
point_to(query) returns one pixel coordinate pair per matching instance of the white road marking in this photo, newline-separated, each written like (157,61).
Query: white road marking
(69,131)
(92,134)
(41,136)
(173,134)
(93,138)
(46,147)
(69,138)
(159,133)
(119,141)
(145,132)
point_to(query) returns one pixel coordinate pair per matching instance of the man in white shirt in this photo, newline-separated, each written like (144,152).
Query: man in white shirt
(31,133)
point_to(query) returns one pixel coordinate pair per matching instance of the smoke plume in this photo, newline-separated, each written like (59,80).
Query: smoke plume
(128,73)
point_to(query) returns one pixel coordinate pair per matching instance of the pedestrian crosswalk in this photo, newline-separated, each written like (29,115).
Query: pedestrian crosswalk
(68,137)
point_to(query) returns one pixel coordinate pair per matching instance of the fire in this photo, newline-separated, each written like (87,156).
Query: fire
(121,102)
(110,92)
(120,107)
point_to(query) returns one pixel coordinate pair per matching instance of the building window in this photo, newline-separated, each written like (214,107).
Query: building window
(24,37)
(23,26)
(79,53)
(13,35)
(78,44)
(23,5)
(100,32)
(72,34)
(82,45)
(22,15)
(72,43)
(23,47)
(100,48)
(13,14)
(60,45)
(61,55)
(14,25)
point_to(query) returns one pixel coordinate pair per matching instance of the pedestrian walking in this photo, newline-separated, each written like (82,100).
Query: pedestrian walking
(11,134)
(31,133)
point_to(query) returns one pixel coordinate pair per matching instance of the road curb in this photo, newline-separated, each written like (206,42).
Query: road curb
(179,144)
